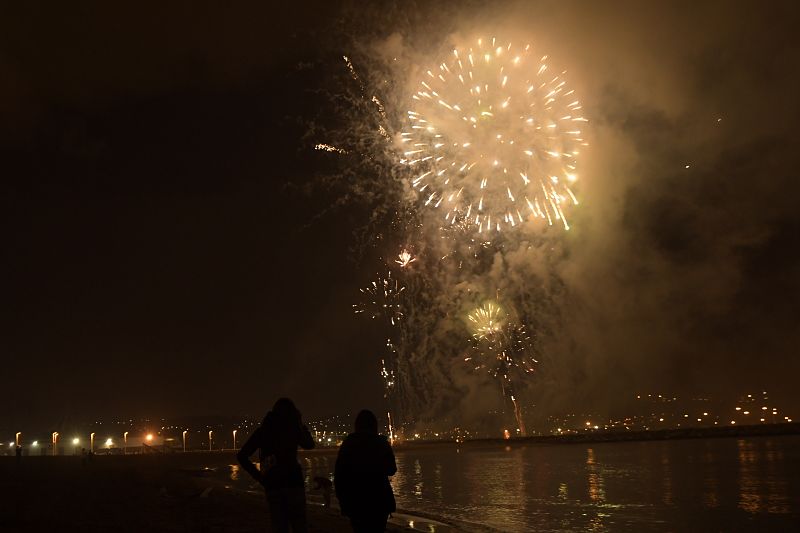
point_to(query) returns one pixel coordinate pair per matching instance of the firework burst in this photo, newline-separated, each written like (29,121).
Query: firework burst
(405,258)
(500,346)
(381,298)
(487,320)
(493,137)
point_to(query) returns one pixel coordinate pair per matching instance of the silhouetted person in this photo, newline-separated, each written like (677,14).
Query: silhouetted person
(18,453)
(361,477)
(277,439)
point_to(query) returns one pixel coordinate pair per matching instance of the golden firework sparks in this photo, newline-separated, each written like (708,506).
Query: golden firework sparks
(494,137)
(405,258)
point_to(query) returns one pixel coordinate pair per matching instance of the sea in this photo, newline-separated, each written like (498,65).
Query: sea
(712,484)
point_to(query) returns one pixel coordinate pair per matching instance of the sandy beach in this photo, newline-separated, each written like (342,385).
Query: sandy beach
(133,493)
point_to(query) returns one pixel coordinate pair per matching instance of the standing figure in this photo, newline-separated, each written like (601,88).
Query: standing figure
(277,439)
(361,477)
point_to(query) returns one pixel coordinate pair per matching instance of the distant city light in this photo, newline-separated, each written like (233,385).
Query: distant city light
(330,432)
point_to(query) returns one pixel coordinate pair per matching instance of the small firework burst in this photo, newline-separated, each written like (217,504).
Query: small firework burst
(381,298)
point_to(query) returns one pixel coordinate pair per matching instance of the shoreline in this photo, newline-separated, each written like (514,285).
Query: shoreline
(760,430)
(181,492)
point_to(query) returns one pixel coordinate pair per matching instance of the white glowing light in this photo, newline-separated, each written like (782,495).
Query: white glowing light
(507,143)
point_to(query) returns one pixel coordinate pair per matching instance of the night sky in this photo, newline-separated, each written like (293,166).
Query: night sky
(161,253)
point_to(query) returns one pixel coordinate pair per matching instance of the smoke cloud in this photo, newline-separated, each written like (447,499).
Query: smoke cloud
(680,272)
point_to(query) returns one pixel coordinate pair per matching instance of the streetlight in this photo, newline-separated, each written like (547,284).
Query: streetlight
(125,438)
(109,442)
(184,439)
(16,438)
(210,431)
(91,442)
(55,441)
(234,439)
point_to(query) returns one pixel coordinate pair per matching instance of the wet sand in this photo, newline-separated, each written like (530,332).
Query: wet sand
(151,493)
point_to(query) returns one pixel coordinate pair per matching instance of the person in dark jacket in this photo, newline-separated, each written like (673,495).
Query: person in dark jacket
(277,439)
(361,479)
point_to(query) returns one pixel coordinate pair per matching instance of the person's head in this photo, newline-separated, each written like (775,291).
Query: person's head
(366,421)
(284,410)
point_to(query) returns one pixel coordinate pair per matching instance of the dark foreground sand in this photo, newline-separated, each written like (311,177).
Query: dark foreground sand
(145,493)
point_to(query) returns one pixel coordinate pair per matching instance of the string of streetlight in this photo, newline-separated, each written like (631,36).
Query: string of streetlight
(109,442)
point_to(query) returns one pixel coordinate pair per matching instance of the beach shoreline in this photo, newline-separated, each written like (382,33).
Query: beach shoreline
(157,493)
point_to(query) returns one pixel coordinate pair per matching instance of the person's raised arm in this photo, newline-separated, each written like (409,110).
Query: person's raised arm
(248,449)
(306,441)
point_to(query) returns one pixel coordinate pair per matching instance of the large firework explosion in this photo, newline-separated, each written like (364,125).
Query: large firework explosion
(494,136)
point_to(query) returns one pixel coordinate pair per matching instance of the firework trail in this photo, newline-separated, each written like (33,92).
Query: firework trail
(493,138)
(382,300)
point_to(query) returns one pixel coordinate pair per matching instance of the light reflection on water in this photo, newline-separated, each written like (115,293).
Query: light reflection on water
(704,484)
(762,487)
(668,485)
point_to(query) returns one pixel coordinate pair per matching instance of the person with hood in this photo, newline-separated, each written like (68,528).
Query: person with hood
(276,440)
(361,476)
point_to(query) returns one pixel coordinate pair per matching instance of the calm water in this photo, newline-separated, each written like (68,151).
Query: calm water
(683,485)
